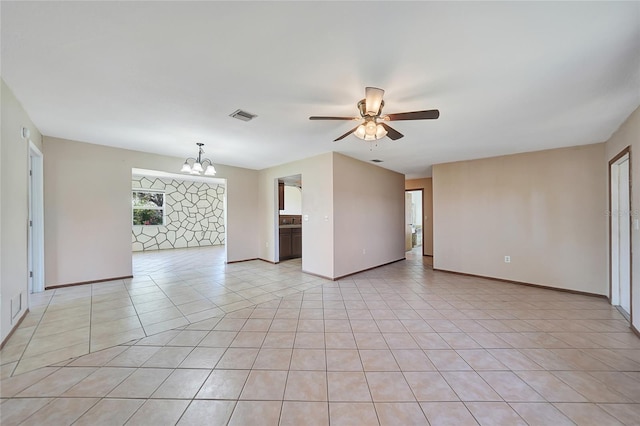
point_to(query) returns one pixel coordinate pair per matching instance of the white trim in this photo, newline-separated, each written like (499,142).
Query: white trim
(224,215)
(276,221)
(177,176)
(36,205)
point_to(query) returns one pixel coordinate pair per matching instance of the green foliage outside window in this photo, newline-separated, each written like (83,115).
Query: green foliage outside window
(148,208)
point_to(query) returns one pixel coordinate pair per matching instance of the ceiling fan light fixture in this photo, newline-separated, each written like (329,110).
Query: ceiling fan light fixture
(370,128)
(370,131)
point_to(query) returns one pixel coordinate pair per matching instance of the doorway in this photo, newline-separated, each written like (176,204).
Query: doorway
(414,220)
(171,211)
(35,234)
(620,222)
(289,219)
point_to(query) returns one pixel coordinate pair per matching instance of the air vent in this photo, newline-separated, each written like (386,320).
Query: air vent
(242,115)
(376,161)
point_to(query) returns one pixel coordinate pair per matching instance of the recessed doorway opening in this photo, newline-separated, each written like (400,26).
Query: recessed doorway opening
(414,221)
(289,219)
(174,211)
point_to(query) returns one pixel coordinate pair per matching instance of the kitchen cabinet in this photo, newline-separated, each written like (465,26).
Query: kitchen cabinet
(290,242)
(296,242)
(285,243)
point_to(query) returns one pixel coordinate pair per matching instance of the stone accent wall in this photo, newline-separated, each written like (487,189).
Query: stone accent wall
(194,215)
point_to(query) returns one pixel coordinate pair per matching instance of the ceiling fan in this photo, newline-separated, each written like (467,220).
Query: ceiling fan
(374,127)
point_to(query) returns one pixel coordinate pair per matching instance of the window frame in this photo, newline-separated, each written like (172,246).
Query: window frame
(163,208)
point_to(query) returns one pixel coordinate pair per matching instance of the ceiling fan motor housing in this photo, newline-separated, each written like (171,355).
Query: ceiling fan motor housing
(362,107)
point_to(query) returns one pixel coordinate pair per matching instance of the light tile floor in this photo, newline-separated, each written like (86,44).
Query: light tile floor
(255,343)
(171,289)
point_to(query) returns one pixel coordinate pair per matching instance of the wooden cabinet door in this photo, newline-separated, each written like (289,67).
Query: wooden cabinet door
(296,242)
(285,243)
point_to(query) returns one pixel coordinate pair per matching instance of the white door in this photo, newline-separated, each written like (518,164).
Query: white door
(621,234)
(36,221)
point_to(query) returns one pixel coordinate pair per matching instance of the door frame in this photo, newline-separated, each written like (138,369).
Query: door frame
(276,221)
(421,190)
(625,152)
(276,215)
(35,227)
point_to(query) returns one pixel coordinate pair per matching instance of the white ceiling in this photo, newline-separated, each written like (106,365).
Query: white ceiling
(507,77)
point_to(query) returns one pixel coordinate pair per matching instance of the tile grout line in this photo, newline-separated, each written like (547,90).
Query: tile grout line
(33,334)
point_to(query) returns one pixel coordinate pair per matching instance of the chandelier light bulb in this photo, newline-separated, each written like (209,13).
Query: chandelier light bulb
(210,171)
(197,167)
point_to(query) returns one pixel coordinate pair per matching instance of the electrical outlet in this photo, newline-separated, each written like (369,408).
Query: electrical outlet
(364,251)
(266,244)
(507,259)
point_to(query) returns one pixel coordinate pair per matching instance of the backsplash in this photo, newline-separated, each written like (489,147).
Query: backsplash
(290,219)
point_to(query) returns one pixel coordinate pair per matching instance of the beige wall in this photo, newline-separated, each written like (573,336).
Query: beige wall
(368,205)
(629,135)
(427,211)
(351,205)
(317,203)
(544,209)
(14,180)
(88,209)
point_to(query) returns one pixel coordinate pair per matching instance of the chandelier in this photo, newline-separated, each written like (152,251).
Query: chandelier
(198,165)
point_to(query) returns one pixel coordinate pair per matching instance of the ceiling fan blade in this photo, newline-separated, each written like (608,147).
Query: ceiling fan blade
(373,100)
(392,133)
(333,118)
(430,114)
(346,134)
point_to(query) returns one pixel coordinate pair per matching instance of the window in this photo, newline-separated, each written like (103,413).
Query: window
(148,207)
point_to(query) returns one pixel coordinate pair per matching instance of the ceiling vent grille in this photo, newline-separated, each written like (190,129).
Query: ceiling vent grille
(376,161)
(242,115)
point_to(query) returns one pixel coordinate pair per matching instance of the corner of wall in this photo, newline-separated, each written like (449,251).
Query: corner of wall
(14,190)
